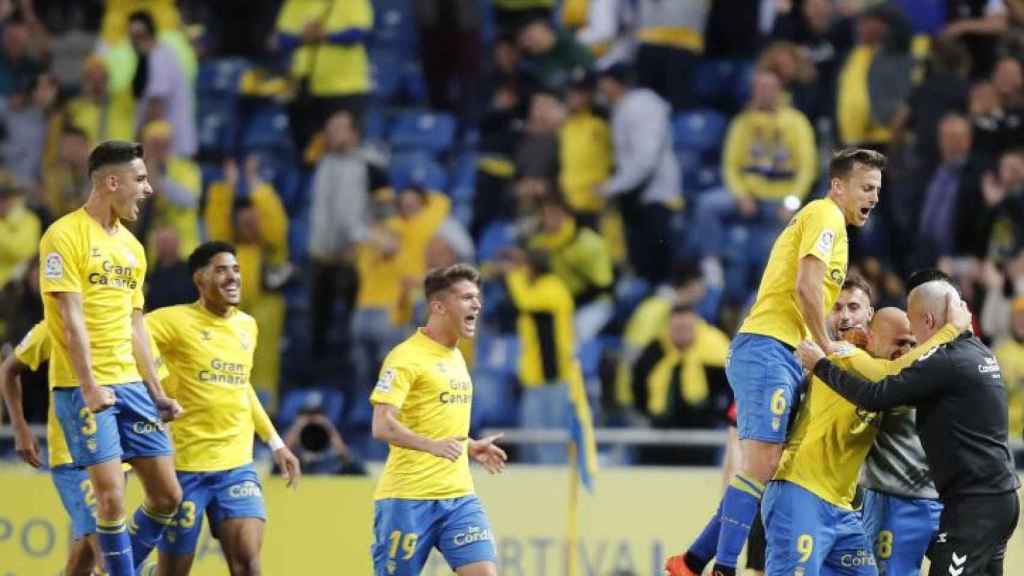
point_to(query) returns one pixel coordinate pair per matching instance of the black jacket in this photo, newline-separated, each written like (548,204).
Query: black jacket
(961,413)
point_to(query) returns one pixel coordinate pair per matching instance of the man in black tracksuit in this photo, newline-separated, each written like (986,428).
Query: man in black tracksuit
(962,421)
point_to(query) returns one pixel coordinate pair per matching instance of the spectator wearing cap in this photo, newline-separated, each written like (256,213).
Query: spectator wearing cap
(670,41)
(20,230)
(340,219)
(177,185)
(580,257)
(551,55)
(160,86)
(769,158)
(584,151)
(326,41)
(1009,352)
(103,114)
(66,181)
(646,181)
(26,122)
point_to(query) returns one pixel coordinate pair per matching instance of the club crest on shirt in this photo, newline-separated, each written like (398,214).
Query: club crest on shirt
(826,240)
(205,335)
(54,267)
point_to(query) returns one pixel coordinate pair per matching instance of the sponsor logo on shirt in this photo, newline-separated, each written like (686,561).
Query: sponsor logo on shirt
(247,489)
(224,372)
(459,392)
(114,275)
(990,367)
(147,427)
(54,267)
(471,535)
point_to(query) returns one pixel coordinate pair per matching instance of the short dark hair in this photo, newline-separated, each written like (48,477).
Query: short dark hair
(855,281)
(113,152)
(843,161)
(928,275)
(439,280)
(201,256)
(683,309)
(146,19)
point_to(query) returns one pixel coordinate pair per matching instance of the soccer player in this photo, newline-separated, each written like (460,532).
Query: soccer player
(802,279)
(208,348)
(900,506)
(91,274)
(808,512)
(72,483)
(421,408)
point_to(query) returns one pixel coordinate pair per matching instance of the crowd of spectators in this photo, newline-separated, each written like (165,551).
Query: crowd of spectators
(617,168)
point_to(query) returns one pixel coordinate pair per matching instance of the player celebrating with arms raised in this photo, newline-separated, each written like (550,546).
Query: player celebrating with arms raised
(421,408)
(208,347)
(805,271)
(91,274)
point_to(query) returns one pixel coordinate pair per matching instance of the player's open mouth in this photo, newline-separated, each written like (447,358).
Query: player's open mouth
(231,289)
(866,211)
(469,321)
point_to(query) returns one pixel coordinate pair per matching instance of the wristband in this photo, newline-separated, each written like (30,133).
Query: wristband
(275,443)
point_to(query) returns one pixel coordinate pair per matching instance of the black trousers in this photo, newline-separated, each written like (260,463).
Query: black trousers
(649,239)
(973,531)
(330,282)
(669,72)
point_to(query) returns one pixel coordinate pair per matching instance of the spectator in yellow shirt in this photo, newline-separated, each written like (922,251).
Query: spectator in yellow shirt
(177,185)
(20,230)
(1010,353)
(102,113)
(769,165)
(584,150)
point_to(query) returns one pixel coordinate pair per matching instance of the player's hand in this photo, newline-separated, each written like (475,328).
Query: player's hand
(448,448)
(98,398)
(809,354)
(488,454)
(291,471)
(957,313)
(168,407)
(26,446)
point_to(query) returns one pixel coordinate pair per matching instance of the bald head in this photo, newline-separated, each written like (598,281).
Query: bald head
(890,336)
(926,306)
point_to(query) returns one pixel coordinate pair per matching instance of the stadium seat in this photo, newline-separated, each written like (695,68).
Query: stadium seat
(699,130)
(222,76)
(495,237)
(723,84)
(700,179)
(425,131)
(463,178)
(376,124)
(331,401)
(417,169)
(386,74)
(267,127)
(394,27)
(217,123)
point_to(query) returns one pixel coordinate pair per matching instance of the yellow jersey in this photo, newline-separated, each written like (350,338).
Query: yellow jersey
(819,230)
(33,350)
(209,358)
(832,437)
(429,385)
(76,254)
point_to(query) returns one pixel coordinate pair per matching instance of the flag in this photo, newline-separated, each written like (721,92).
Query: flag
(581,429)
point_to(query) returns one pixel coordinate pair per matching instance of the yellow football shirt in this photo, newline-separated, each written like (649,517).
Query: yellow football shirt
(819,229)
(33,350)
(209,358)
(429,384)
(77,255)
(832,437)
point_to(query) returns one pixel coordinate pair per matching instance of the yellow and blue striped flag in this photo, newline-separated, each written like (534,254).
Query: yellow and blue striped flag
(581,429)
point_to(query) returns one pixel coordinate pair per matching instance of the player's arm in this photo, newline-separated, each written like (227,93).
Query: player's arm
(168,407)
(908,388)
(387,428)
(286,461)
(10,386)
(69,306)
(810,298)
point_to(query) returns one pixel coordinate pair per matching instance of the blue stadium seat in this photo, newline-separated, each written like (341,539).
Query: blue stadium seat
(699,130)
(494,380)
(222,76)
(700,179)
(217,123)
(394,27)
(463,178)
(724,84)
(417,169)
(210,172)
(331,400)
(376,124)
(386,74)
(423,131)
(495,237)
(267,127)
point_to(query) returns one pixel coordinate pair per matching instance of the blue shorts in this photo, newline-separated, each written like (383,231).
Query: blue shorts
(129,429)
(79,500)
(234,493)
(766,380)
(405,531)
(807,535)
(901,529)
